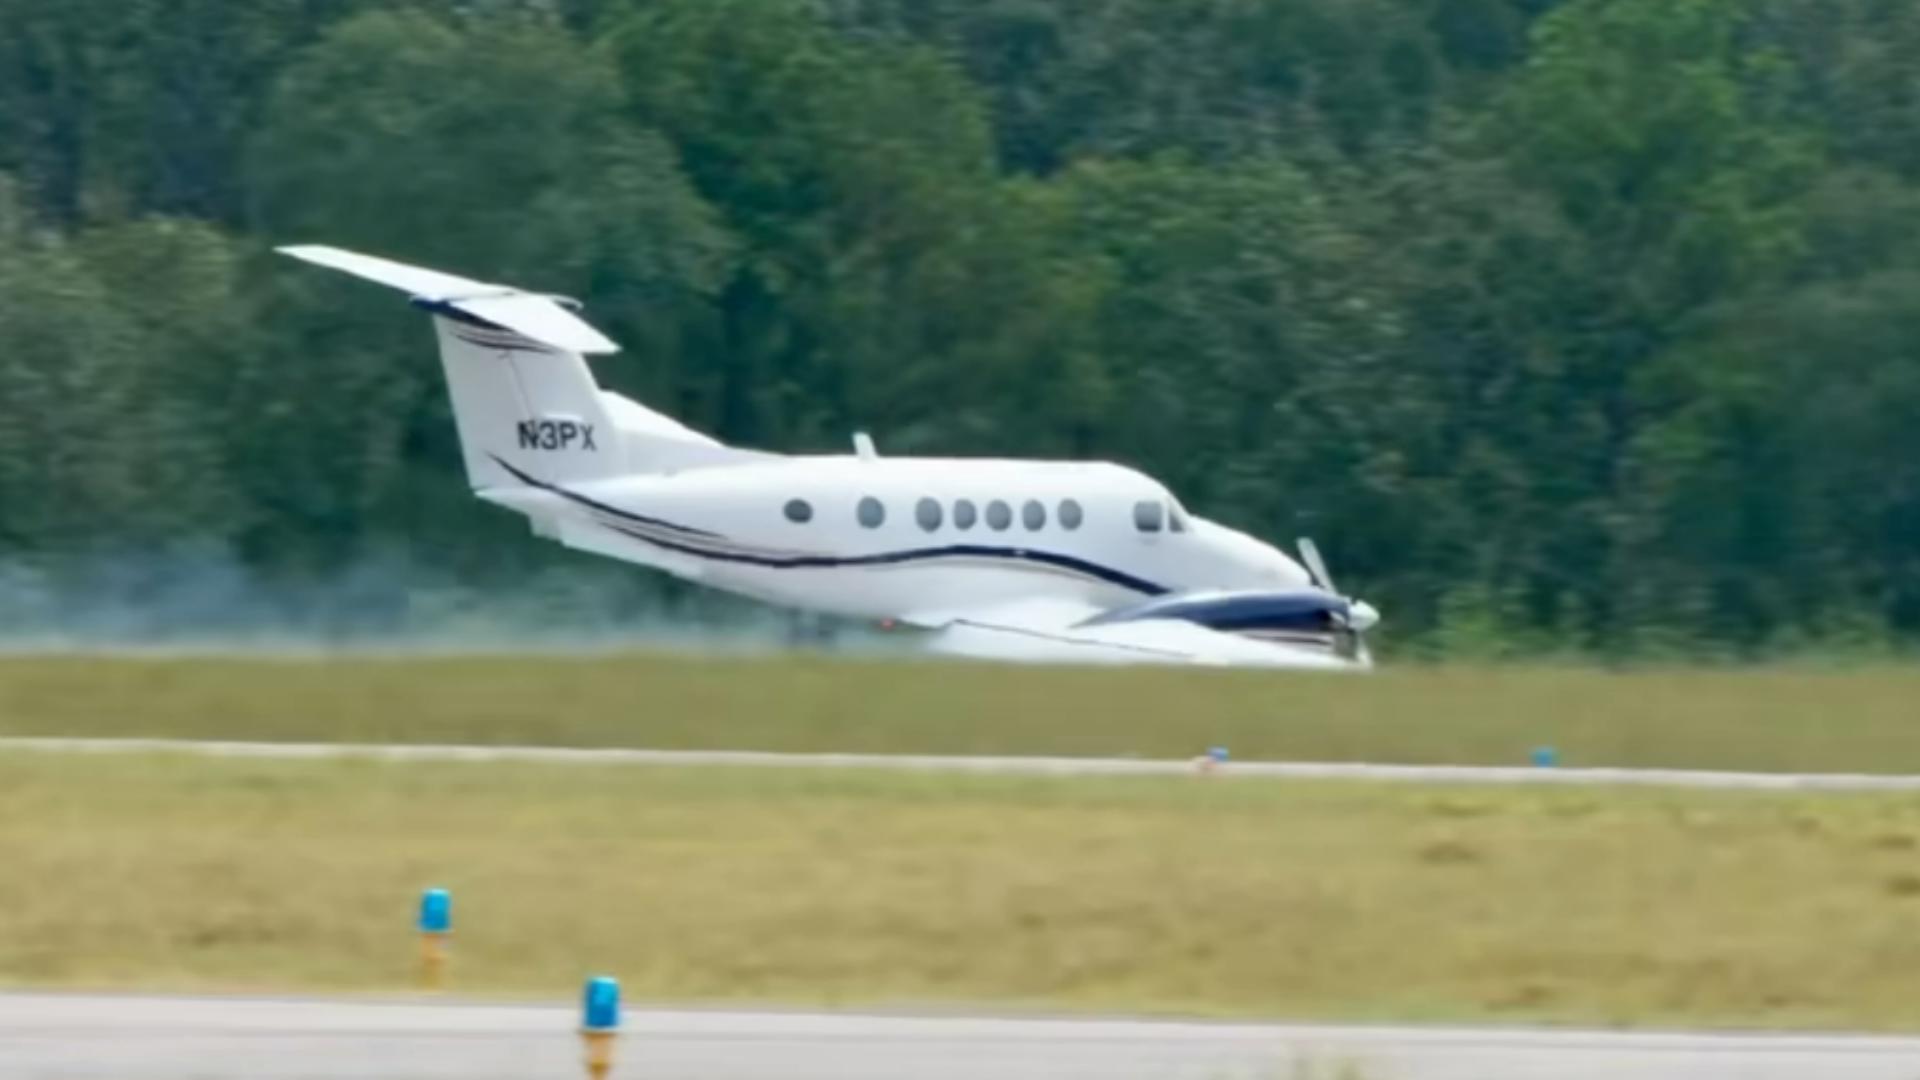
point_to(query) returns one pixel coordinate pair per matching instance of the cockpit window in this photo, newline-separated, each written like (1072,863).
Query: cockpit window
(1176,517)
(1148,515)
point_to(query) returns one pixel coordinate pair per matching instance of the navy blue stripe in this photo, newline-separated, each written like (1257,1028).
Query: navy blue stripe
(501,346)
(446,310)
(827,562)
(894,558)
(596,504)
(495,337)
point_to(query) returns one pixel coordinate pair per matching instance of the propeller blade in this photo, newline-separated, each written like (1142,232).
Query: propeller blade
(1361,616)
(1310,555)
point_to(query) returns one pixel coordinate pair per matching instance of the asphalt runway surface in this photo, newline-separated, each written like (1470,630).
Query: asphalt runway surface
(1041,766)
(75,1037)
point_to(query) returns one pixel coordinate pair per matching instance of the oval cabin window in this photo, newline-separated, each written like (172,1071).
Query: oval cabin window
(927,513)
(799,511)
(964,515)
(871,513)
(999,516)
(1070,515)
(1033,516)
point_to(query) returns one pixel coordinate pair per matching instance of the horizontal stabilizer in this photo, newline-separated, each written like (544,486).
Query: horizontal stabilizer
(531,315)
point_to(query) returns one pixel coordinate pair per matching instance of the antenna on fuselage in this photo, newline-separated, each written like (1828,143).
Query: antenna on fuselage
(863,446)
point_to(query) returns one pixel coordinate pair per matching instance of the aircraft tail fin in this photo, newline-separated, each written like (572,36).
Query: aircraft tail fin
(524,401)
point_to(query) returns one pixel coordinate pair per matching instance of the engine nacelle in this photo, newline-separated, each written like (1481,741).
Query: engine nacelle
(1285,611)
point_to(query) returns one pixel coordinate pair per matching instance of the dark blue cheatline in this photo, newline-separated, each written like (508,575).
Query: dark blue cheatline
(596,504)
(894,558)
(697,542)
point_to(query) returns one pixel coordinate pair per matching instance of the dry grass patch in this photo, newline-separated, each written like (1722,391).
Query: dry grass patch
(1173,895)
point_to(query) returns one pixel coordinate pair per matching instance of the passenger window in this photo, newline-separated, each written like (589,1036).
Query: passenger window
(1147,515)
(999,516)
(927,513)
(799,511)
(871,513)
(1070,515)
(1033,516)
(964,515)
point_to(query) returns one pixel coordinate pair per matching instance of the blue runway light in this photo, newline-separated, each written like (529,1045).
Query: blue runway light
(600,1005)
(436,911)
(1546,757)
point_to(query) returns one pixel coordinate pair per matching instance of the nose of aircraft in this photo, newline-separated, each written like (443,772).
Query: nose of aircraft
(1249,561)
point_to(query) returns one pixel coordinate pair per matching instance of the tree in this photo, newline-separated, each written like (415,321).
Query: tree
(882,278)
(1667,137)
(492,145)
(1786,484)
(116,108)
(1215,79)
(103,447)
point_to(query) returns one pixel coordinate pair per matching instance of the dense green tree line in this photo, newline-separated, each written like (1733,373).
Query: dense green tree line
(1590,324)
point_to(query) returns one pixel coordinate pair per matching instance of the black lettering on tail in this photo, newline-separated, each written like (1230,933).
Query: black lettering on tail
(554,435)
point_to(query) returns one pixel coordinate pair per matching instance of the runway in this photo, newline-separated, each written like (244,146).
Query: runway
(72,1037)
(1033,766)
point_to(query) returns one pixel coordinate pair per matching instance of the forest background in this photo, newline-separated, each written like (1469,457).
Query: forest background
(1587,328)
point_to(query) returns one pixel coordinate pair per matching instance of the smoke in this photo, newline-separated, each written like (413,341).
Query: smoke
(195,601)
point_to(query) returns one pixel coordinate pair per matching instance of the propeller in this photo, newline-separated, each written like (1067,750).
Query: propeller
(1361,616)
(1317,566)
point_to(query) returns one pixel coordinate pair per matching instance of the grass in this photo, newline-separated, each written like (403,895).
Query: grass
(1178,895)
(1768,719)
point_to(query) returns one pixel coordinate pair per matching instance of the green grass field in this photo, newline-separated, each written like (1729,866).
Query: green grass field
(1183,895)
(1773,719)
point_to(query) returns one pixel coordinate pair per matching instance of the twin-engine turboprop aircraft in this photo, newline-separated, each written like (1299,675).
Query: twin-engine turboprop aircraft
(1004,559)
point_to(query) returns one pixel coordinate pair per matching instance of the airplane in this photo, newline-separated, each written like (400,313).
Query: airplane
(1002,559)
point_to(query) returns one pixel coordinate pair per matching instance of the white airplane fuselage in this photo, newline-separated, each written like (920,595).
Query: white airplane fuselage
(950,534)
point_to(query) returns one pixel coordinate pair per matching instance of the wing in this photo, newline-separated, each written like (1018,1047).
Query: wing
(1060,632)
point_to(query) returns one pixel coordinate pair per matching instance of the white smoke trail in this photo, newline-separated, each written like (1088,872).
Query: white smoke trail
(198,601)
